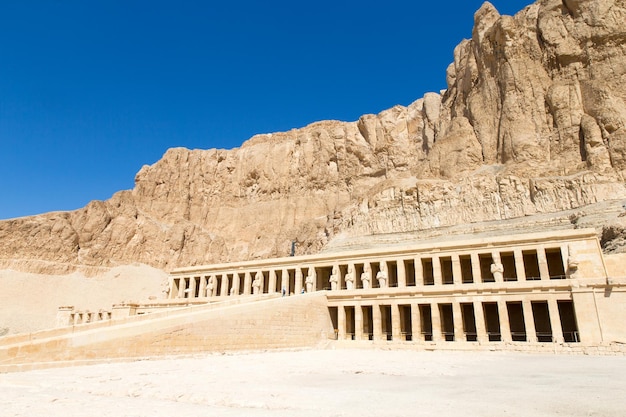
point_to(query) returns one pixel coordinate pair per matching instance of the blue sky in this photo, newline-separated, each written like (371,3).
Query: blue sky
(90,91)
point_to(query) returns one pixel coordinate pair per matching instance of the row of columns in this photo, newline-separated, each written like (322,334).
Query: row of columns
(438,331)
(346,275)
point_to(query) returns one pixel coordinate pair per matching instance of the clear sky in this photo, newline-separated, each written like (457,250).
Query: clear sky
(90,91)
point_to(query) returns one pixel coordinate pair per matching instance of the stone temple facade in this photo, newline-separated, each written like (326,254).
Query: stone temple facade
(528,288)
(550,291)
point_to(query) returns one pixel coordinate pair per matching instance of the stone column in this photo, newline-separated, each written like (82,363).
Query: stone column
(436,319)
(182,286)
(481,329)
(529,321)
(457,275)
(358,322)
(235,285)
(476,274)
(225,287)
(341,322)
(564,257)
(459,334)
(202,291)
(401,273)
(437,271)
(298,285)
(284,281)
(419,272)
(192,287)
(544,272)
(395,322)
(555,321)
(416,328)
(377,322)
(247,283)
(520,270)
(271,285)
(505,324)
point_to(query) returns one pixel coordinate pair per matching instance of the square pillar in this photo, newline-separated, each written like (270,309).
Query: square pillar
(341,322)
(377,322)
(505,324)
(457,275)
(395,322)
(192,287)
(416,328)
(202,290)
(247,283)
(476,274)
(224,289)
(182,286)
(457,315)
(284,281)
(419,272)
(401,273)
(299,282)
(271,285)
(520,270)
(436,319)
(235,285)
(555,321)
(529,321)
(544,272)
(437,271)
(358,322)
(479,316)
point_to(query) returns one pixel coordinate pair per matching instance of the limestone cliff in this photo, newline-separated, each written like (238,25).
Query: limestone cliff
(533,121)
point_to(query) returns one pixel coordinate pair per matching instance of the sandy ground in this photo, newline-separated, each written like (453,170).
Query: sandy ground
(29,302)
(326,383)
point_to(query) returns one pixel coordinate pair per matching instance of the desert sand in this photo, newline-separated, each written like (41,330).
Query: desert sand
(326,383)
(29,302)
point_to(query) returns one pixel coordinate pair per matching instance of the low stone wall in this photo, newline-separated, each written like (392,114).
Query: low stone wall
(289,322)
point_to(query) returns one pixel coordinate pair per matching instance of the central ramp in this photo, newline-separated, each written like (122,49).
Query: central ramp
(276,323)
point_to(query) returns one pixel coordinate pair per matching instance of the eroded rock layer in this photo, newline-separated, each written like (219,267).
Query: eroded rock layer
(533,122)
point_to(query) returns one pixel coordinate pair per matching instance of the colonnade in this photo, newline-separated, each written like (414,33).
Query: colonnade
(527,319)
(539,262)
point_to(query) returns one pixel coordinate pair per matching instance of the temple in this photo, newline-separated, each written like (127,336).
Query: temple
(550,291)
(542,287)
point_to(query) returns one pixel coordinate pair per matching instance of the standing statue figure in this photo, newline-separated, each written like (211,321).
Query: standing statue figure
(572,262)
(310,280)
(366,277)
(210,286)
(256,283)
(382,275)
(497,269)
(350,278)
(334,278)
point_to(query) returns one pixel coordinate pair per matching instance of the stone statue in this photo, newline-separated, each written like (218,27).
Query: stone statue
(382,275)
(256,283)
(572,262)
(366,276)
(310,280)
(350,278)
(210,286)
(497,269)
(334,278)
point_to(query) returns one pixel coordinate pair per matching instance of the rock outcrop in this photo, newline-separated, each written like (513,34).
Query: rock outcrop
(533,121)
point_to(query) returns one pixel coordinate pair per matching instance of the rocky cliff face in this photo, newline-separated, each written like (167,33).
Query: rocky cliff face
(533,121)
